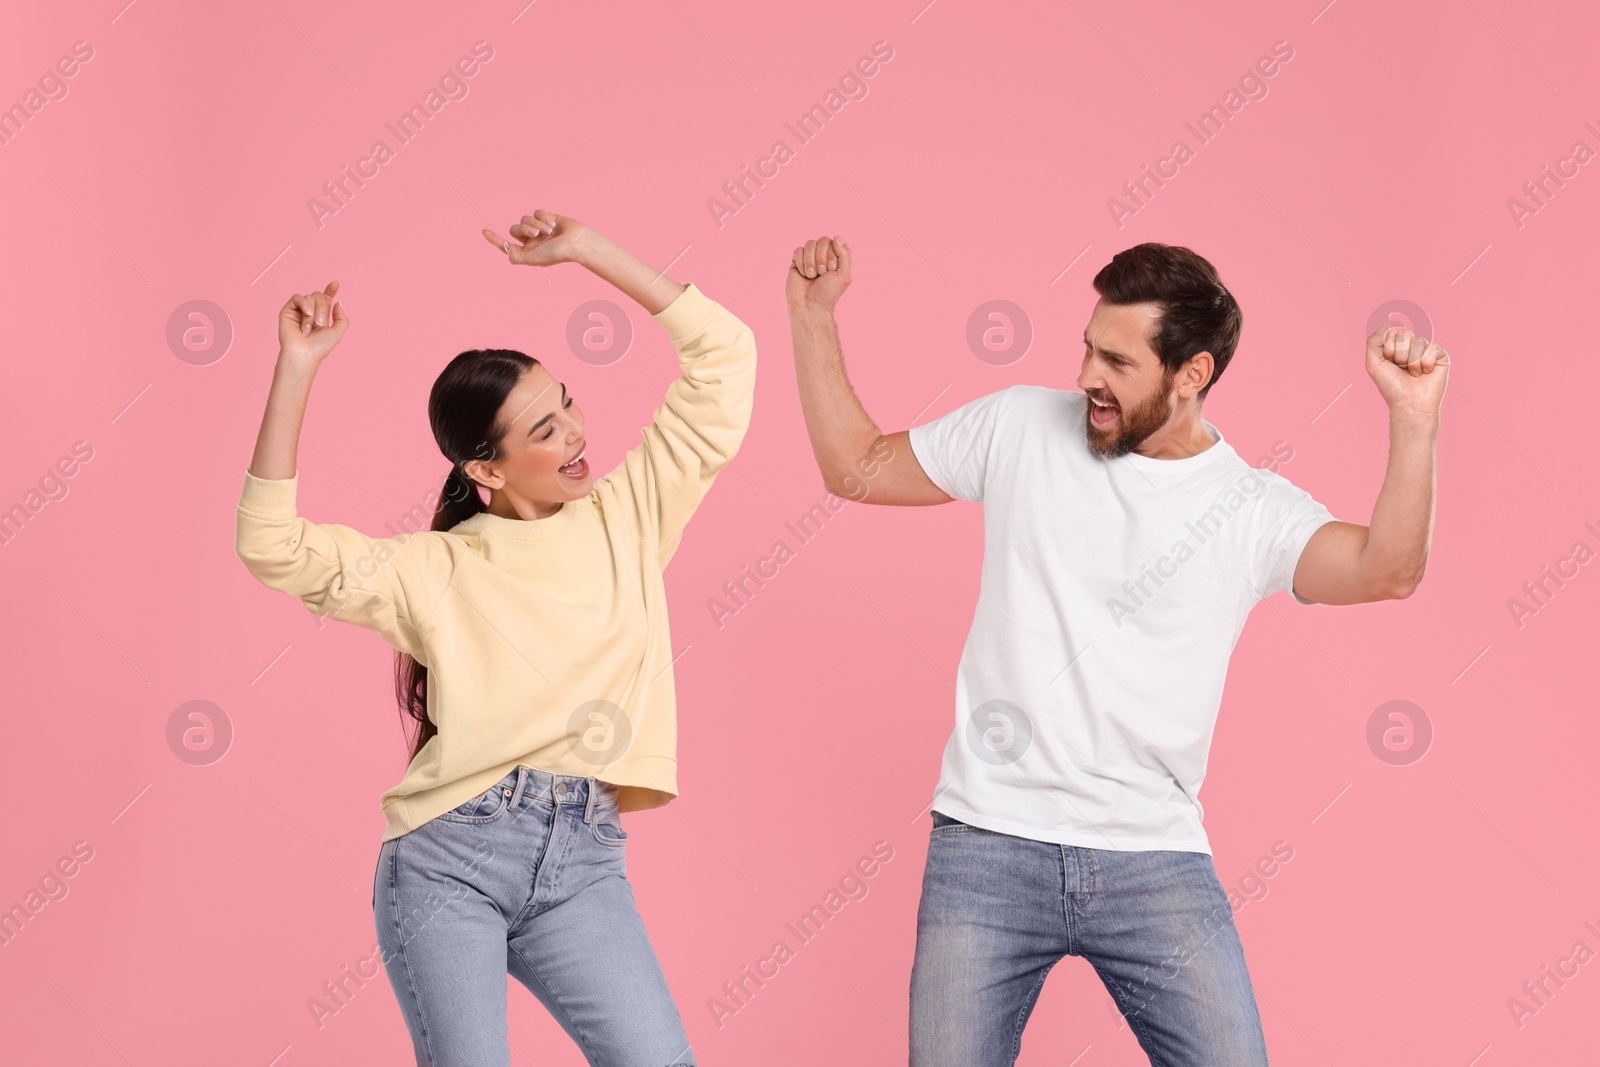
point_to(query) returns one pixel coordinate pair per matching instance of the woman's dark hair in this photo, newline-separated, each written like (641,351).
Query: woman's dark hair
(1198,314)
(464,411)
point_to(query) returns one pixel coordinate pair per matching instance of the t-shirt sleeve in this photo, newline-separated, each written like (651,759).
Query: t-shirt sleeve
(385,585)
(954,449)
(699,426)
(1290,515)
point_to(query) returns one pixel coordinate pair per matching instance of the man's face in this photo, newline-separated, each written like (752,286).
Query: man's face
(1122,372)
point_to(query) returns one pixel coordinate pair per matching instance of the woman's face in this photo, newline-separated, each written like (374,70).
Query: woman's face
(539,464)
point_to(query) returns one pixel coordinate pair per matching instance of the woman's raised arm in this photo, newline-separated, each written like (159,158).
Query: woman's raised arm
(309,326)
(547,238)
(335,570)
(701,422)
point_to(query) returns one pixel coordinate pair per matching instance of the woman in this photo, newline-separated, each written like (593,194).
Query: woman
(533,651)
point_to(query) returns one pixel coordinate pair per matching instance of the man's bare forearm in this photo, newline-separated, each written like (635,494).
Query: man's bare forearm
(1396,553)
(841,431)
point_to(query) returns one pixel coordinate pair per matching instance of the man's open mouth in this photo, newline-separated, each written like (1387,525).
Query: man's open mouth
(1102,415)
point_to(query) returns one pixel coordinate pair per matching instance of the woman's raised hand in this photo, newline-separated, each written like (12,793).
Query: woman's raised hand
(541,239)
(310,324)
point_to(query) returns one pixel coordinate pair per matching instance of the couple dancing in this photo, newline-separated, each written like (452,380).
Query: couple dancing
(1125,541)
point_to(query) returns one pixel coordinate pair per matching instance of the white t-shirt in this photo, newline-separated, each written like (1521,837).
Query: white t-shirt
(1112,594)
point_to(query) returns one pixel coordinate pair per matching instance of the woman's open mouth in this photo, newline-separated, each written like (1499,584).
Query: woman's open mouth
(578,469)
(1104,416)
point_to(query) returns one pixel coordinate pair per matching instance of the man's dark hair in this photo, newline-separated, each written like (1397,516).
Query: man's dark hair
(1198,314)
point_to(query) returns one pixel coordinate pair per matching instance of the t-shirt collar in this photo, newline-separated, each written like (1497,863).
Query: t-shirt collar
(1187,464)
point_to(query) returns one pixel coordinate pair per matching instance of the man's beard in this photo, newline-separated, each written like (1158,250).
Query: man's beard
(1133,427)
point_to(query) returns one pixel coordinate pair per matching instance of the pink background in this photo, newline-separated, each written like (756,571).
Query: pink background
(221,897)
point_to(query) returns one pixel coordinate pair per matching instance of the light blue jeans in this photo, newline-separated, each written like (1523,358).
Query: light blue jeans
(998,911)
(527,878)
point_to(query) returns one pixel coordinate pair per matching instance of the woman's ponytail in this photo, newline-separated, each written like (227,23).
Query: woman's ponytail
(458,500)
(464,411)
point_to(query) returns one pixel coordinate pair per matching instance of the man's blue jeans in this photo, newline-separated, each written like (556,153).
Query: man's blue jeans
(998,911)
(527,878)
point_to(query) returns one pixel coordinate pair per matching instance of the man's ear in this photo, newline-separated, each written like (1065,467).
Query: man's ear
(1196,374)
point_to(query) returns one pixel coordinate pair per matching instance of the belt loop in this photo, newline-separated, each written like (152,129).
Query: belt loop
(588,809)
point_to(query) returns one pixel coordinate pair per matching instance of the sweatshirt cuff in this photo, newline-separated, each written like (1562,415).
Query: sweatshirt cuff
(269,497)
(684,317)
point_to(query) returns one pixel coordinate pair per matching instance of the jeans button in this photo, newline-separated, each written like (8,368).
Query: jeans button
(561,787)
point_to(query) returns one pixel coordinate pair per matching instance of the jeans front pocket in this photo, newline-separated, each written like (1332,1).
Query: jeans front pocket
(943,823)
(607,826)
(485,807)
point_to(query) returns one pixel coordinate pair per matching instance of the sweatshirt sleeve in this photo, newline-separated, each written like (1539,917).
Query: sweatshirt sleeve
(380,584)
(699,426)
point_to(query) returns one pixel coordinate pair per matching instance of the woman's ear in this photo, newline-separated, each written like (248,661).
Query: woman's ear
(483,474)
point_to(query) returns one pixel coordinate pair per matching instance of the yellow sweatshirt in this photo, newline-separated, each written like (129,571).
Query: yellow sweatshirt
(546,640)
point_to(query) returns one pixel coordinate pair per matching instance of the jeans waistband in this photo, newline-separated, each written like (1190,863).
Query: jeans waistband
(558,789)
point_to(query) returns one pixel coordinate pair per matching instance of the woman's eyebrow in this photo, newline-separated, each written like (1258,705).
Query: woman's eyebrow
(547,418)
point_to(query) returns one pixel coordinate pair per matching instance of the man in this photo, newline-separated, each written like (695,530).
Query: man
(1124,544)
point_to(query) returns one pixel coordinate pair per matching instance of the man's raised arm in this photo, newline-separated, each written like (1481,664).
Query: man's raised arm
(858,461)
(1345,563)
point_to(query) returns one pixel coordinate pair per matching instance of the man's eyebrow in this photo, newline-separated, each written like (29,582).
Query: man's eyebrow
(547,418)
(1116,357)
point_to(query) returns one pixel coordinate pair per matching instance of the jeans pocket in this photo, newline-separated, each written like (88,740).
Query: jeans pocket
(607,827)
(485,807)
(943,823)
